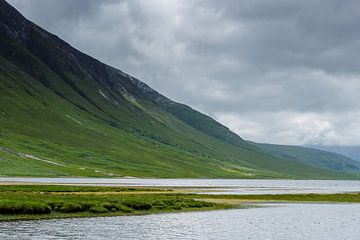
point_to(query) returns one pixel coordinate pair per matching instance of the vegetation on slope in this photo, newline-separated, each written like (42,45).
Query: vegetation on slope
(63,113)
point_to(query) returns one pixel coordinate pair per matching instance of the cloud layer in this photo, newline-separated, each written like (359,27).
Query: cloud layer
(273,71)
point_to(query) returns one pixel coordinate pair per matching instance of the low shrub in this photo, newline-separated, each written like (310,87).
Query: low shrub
(116,207)
(165,204)
(26,207)
(137,205)
(71,207)
(86,205)
(124,209)
(98,209)
(177,207)
(198,204)
(55,206)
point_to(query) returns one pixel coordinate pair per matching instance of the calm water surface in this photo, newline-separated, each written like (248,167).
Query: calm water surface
(278,222)
(214,186)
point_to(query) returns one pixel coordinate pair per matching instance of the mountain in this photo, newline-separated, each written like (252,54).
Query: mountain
(349,151)
(312,157)
(64,113)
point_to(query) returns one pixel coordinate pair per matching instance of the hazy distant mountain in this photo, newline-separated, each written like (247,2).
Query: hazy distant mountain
(64,113)
(311,156)
(349,151)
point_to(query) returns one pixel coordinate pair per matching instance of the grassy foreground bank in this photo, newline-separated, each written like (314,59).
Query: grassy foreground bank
(25,202)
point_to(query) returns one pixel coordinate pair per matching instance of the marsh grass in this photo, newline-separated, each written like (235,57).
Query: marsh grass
(18,202)
(339,197)
(26,207)
(46,202)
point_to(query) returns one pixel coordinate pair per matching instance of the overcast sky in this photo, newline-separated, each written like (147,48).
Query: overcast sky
(273,71)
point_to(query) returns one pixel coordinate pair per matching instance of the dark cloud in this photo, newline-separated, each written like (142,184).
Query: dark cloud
(276,71)
(51,13)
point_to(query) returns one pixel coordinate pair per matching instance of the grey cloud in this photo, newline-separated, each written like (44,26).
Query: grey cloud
(296,127)
(276,71)
(50,13)
(314,34)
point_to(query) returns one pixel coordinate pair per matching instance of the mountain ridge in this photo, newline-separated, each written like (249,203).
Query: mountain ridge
(64,113)
(350,151)
(311,156)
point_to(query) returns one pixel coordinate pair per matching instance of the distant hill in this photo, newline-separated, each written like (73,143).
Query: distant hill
(313,157)
(64,113)
(349,151)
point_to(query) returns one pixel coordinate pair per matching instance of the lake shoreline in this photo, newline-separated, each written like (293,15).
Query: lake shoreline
(38,202)
(204,186)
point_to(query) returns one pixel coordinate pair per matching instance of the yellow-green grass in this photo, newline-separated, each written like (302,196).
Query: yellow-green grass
(47,202)
(29,202)
(336,198)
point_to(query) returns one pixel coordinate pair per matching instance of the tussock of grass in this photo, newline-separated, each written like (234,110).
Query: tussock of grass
(26,207)
(116,207)
(138,205)
(71,207)
(98,209)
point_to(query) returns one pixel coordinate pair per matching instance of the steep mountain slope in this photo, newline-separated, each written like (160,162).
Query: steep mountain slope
(312,157)
(63,113)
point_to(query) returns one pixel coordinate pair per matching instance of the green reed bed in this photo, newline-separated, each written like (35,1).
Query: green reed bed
(45,202)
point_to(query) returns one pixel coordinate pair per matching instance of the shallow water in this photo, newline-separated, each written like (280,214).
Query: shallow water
(278,222)
(213,186)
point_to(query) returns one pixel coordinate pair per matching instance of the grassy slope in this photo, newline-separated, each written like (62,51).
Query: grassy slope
(51,107)
(313,157)
(35,121)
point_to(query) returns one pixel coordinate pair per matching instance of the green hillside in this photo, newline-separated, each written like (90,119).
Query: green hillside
(63,113)
(312,157)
